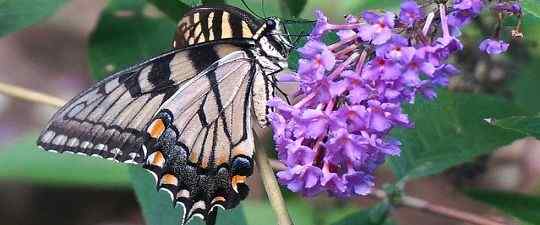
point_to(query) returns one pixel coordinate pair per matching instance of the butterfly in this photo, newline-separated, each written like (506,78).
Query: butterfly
(185,115)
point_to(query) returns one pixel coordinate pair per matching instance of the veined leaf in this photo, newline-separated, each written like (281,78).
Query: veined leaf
(524,125)
(449,131)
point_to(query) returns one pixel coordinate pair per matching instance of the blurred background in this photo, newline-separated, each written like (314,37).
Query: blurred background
(52,57)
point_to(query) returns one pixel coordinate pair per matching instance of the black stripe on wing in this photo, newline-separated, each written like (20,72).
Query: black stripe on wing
(200,146)
(106,120)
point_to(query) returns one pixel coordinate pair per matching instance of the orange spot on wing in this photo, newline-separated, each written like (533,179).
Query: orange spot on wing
(237,180)
(169,179)
(156,128)
(159,160)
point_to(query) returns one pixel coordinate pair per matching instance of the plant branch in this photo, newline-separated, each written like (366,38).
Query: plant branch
(423,205)
(271,186)
(29,95)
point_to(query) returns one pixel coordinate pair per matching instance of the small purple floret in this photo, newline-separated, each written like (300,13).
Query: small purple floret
(410,13)
(493,47)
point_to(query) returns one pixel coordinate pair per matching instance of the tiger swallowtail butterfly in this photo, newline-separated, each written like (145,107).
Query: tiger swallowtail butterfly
(184,115)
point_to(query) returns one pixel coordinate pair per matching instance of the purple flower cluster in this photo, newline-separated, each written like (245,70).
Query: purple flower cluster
(351,93)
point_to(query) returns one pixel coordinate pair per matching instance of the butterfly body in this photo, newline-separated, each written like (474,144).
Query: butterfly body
(185,115)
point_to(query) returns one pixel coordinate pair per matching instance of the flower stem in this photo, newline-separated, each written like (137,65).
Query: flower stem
(339,44)
(304,100)
(29,95)
(337,71)
(444,20)
(429,20)
(361,61)
(271,186)
(349,26)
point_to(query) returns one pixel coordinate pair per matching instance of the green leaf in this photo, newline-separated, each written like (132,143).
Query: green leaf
(523,207)
(24,162)
(157,207)
(532,7)
(293,7)
(18,14)
(172,8)
(127,33)
(261,213)
(376,215)
(524,125)
(449,131)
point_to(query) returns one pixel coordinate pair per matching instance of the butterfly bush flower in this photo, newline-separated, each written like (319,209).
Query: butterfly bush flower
(491,46)
(352,91)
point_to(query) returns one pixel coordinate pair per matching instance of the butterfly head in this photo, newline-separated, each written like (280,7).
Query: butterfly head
(273,41)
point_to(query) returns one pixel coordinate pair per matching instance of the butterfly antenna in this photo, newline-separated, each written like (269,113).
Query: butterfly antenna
(286,32)
(251,11)
(298,21)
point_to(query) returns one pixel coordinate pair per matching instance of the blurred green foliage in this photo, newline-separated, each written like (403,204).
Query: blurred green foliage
(18,14)
(448,132)
(532,7)
(128,32)
(23,161)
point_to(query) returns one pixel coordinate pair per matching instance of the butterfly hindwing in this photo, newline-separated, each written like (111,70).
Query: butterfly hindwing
(200,143)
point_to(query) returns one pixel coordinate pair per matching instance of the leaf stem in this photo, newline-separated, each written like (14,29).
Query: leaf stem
(271,186)
(30,95)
